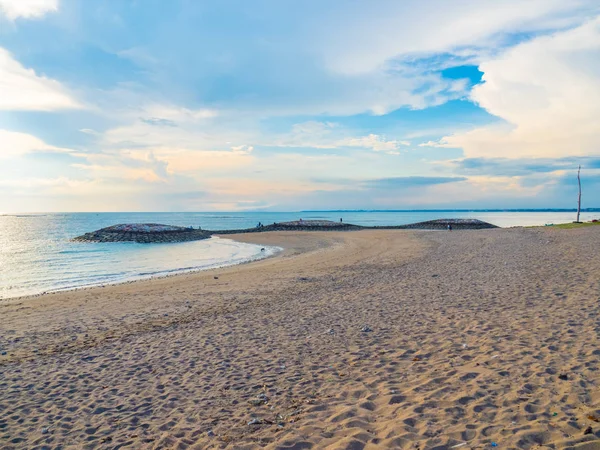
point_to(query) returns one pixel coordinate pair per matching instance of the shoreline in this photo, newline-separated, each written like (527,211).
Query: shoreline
(233,235)
(343,340)
(294,244)
(141,278)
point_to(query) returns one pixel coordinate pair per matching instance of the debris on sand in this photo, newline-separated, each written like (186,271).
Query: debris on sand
(260,399)
(257,421)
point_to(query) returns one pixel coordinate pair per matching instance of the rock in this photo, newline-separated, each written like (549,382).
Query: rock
(563,376)
(588,430)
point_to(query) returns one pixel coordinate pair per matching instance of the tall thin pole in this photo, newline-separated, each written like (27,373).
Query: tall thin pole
(579,198)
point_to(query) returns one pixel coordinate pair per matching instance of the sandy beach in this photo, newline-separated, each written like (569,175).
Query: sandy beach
(346,340)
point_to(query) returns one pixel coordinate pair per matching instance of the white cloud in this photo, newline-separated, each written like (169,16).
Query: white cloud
(372,141)
(177,114)
(242,149)
(15,144)
(23,89)
(548,92)
(165,125)
(329,135)
(150,134)
(366,36)
(379,56)
(27,9)
(89,131)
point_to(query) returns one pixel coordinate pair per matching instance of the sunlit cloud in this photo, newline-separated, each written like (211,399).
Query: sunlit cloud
(547,91)
(372,36)
(27,9)
(23,89)
(15,144)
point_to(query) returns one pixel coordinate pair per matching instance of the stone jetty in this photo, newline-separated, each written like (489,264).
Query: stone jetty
(156,233)
(442,224)
(145,233)
(328,225)
(297,225)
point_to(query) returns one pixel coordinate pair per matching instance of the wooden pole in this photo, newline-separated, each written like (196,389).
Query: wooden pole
(579,198)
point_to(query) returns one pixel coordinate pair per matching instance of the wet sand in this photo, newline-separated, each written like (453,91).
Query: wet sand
(347,340)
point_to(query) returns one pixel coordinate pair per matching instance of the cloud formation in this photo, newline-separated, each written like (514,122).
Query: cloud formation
(330,135)
(547,91)
(15,144)
(373,35)
(27,9)
(22,89)
(321,104)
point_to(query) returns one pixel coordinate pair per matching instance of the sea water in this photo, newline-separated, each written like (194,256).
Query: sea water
(36,254)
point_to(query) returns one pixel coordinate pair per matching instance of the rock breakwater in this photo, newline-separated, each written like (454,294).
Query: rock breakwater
(144,233)
(442,224)
(157,233)
(297,225)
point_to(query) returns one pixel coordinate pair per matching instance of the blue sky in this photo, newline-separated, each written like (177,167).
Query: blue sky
(141,105)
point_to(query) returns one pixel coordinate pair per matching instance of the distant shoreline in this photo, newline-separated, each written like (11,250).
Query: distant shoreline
(586,210)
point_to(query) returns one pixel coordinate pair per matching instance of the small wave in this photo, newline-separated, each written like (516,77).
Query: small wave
(23,215)
(71,252)
(224,217)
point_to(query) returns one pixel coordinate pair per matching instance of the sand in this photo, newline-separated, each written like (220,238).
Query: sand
(476,337)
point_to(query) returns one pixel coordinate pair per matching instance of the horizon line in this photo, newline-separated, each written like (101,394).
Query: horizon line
(595,209)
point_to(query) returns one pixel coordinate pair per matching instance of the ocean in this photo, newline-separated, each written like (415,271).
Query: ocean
(36,254)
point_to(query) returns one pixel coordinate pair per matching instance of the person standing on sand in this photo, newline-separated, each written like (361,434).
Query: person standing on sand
(449,227)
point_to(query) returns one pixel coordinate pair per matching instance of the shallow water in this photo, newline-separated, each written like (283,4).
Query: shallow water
(36,254)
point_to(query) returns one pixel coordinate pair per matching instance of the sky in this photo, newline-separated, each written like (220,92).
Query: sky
(270,105)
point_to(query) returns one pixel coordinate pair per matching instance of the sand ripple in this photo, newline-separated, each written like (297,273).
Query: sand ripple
(477,337)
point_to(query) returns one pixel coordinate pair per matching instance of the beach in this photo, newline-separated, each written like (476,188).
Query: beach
(345,340)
